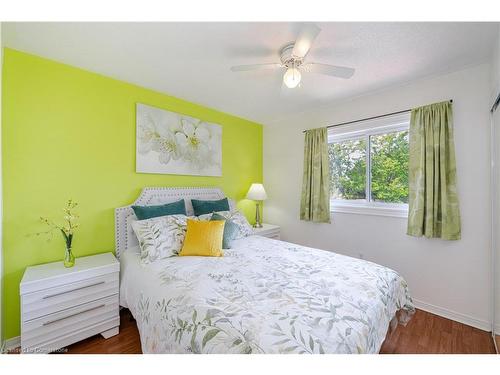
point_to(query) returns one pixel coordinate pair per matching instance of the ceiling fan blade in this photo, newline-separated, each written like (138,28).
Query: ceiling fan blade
(245,68)
(305,40)
(330,70)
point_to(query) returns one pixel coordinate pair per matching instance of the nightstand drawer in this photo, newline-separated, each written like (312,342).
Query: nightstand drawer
(268,230)
(274,236)
(60,306)
(52,300)
(51,327)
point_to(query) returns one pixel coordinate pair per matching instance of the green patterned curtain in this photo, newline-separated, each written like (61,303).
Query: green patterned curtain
(315,200)
(433,205)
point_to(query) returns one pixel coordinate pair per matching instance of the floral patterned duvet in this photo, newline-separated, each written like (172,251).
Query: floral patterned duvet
(263,296)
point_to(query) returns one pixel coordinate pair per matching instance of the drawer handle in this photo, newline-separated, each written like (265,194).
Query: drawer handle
(72,290)
(69,316)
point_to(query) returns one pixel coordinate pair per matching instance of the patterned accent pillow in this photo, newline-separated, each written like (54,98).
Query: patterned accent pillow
(160,237)
(236,217)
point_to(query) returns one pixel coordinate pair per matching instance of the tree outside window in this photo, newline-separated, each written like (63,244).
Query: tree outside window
(386,156)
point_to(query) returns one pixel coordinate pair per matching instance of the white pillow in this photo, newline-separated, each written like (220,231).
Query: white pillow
(160,237)
(245,229)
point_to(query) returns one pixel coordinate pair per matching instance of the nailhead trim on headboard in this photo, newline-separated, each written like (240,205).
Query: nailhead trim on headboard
(124,237)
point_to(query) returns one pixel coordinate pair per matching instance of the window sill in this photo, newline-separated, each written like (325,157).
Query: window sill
(370,209)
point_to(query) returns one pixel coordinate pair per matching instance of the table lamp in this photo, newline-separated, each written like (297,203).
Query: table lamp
(257,193)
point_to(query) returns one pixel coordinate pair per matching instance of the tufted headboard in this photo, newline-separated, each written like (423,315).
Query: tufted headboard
(124,235)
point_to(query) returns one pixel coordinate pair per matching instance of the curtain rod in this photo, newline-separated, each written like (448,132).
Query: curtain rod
(371,118)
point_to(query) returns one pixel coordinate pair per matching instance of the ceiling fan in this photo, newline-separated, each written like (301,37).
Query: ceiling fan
(293,56)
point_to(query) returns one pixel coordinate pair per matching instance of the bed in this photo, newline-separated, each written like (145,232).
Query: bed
(262,296)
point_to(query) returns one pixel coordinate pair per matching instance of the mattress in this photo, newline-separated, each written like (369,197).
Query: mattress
(263,296)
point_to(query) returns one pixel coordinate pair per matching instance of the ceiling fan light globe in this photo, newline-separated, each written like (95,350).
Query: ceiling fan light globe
(292,78)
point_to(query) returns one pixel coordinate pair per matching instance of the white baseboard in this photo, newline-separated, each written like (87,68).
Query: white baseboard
(14,342)
(453,315)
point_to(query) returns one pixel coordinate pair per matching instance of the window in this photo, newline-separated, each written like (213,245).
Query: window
(369,166)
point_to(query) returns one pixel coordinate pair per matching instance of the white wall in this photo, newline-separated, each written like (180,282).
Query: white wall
(451,278)
(495,68)
(495,90)
(496,222)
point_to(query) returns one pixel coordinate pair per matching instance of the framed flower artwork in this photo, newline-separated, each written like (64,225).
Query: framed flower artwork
(171,143)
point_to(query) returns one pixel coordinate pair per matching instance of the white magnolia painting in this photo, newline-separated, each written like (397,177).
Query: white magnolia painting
(171,143)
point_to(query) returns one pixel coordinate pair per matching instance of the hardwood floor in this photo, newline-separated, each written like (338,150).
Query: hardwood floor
(431,334)
(126,342)
(425,333)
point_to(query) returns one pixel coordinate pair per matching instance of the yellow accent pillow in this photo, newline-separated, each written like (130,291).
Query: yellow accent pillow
(203,238)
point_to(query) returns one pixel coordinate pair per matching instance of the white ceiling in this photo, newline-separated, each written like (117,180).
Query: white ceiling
(192,60)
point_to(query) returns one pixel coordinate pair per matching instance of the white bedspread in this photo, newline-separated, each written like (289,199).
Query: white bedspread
(263,296)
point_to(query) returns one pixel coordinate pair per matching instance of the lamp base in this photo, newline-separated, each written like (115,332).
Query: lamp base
(258,223)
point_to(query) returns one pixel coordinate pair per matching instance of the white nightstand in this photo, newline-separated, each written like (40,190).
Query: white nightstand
(268,230)
(60,306)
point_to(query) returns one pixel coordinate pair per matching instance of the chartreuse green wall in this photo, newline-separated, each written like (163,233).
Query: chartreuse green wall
(69,133)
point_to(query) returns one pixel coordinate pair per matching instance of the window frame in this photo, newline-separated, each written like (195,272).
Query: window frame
(364,130)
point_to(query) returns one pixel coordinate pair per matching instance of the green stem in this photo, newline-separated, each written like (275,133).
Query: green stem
(68,238)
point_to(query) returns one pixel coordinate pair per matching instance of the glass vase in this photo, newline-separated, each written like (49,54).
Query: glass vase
(69,258)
